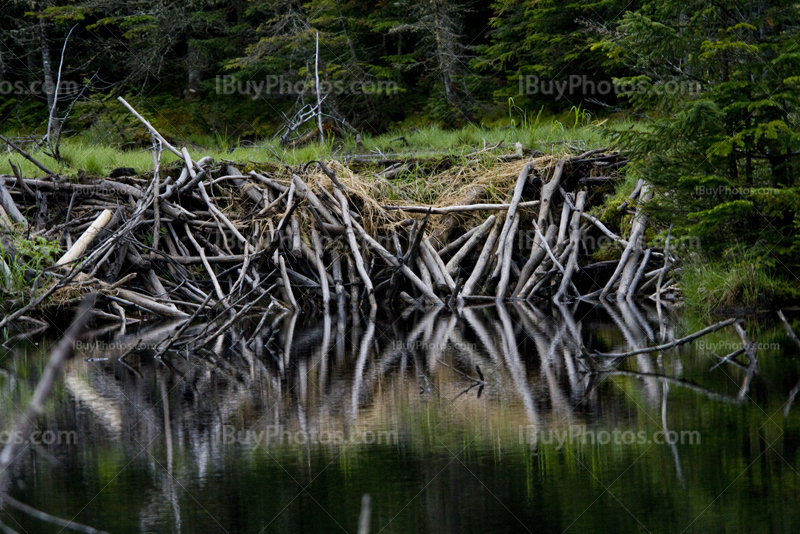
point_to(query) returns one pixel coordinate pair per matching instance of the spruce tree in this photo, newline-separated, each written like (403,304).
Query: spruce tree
(720,82)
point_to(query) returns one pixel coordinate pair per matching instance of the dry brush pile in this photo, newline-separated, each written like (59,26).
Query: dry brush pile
(202,237)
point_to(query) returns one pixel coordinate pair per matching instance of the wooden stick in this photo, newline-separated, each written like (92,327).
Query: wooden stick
(634,194)
(480,266)
(638,227)
(538,252)
(351,239)
(543,241)
(10,207)
(512,211)
(477,235)
(156,155)
(415,234)
(564,223)
(323,277)
(505,269)
(602,227)
(448,279)
(458,209)
(424,273)
(193,260)
(548,191)
(274,203)
(287,285)
(337,280)
(394,262)
(751,349)
(548,274)
(427,257)
(209,269)
(256,194)
(294,227)
(458,243)
(630,269)
(144,302)
(729,357)
(666,266)
(313,199)
(353,279)
(160,350)
(149,126)
(27,156)
(575,239)
(681,341)
(219,214)
(189,163)
(639,275)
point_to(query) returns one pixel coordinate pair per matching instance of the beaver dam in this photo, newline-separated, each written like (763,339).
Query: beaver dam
(187,283)
(216,237)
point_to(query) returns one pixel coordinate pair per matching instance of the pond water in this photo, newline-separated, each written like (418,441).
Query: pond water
(491,421)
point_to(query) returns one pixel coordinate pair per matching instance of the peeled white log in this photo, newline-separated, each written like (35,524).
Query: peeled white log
(323,278)
(637,228)
(5,221)
(575,238)
(475,238)
(506,266)
(147,303)
(5,274)
(512,210)
(80,246)
(548,191)
(356,253)
(538,253)
(480,265)
(436,264)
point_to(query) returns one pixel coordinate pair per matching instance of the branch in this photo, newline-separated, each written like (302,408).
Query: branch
(681,341)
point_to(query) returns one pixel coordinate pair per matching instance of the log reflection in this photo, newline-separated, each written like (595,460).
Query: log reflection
(337,374)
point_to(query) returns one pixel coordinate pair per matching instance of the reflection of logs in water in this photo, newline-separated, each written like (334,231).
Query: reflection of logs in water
(346,376)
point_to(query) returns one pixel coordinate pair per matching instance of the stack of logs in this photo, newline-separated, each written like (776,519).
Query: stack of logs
(268,241)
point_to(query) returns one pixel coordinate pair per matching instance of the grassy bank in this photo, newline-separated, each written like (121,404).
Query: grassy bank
(552,135)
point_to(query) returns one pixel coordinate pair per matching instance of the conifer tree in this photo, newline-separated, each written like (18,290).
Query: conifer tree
(721,81)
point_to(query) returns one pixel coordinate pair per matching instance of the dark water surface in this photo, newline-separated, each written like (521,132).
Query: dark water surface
(287,432)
